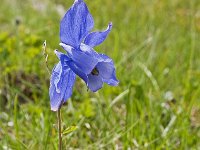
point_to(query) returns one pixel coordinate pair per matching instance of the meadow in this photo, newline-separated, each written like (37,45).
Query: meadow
(156,49)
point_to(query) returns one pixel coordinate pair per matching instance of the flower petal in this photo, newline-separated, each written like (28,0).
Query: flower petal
(90,51)
(112,81)
(94,82)
(76,24)
(68,48)
(106,70)
(77,71)
(96,38)
(86,62)
(61,84)
(85,59)
(66,61)
(61,55)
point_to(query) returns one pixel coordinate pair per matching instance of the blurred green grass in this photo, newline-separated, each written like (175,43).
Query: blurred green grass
(155,46)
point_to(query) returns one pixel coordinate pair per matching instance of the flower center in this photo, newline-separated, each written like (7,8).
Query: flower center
(95,72)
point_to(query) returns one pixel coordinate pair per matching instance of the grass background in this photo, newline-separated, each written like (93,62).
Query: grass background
(155,47)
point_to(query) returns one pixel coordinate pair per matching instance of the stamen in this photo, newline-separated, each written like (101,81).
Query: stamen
(95,72)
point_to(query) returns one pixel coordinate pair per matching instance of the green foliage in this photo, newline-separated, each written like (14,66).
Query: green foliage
(155,45)
(69,129)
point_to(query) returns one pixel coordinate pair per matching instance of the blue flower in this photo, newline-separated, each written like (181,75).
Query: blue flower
(80,59)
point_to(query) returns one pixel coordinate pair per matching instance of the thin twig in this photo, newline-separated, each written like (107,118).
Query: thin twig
(46,56)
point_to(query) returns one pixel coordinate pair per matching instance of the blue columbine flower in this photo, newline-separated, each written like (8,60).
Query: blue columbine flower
(81,59)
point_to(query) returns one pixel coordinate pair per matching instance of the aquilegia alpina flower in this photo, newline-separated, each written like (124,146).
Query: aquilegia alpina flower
(80,59)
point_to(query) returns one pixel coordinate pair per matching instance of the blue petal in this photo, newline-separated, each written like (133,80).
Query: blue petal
(94,82)
(61,55)
(68,82)
(82,61)
(112,81)
(77,71)
(90,51)
(96,38)
(106,70)
(66,47)
(85,58)
(76,24)
(61,84)
(85,62)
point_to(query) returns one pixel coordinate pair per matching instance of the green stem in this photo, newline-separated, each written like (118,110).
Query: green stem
(59,130)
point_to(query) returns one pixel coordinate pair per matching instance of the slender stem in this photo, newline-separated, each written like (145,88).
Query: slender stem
(59,130)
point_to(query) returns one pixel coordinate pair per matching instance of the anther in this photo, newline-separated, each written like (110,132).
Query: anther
(95,72)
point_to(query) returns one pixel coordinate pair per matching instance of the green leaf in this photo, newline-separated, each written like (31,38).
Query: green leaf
(69,129)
